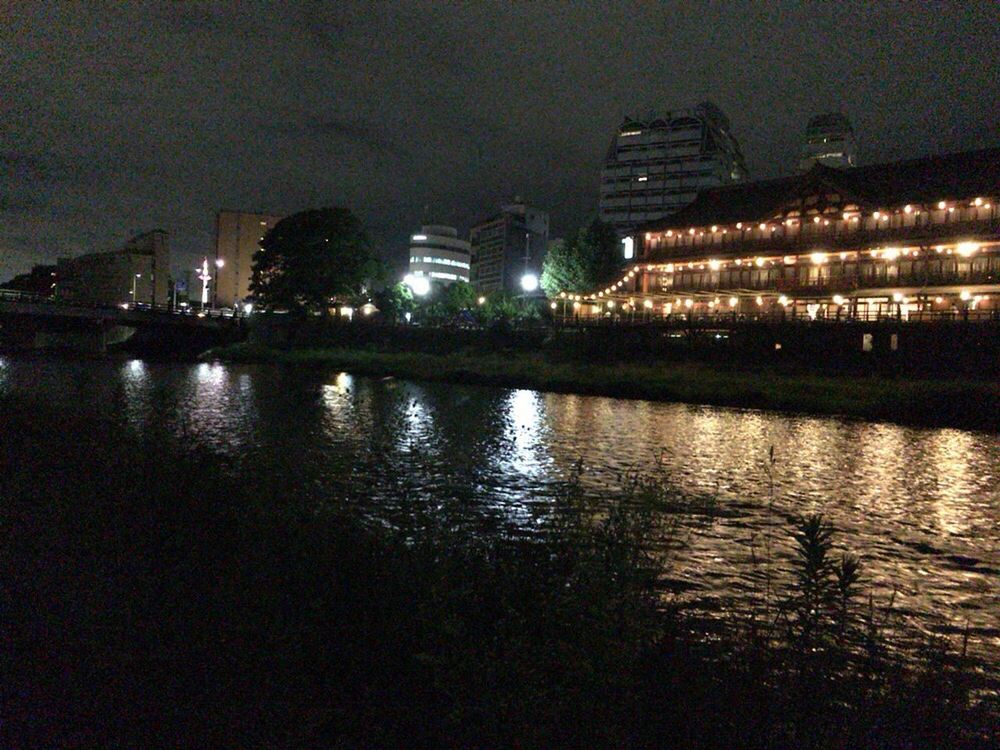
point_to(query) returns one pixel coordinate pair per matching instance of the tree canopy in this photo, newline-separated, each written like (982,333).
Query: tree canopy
(583,261)
(311,258)
(395,301)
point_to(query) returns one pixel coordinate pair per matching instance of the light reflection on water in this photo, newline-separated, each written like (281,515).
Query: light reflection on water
(921,506)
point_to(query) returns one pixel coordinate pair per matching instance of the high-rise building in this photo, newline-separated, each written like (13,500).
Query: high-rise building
(237,240)
(829,141)
(508,249)
(437,253)
(139,272)
(657,166)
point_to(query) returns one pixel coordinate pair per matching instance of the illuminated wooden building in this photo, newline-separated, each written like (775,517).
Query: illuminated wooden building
(917,238)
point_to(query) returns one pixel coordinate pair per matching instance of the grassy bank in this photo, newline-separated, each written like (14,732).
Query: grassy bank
(157,597)
(953,403)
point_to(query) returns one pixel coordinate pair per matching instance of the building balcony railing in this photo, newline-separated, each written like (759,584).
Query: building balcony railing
(781,243)
(846,284)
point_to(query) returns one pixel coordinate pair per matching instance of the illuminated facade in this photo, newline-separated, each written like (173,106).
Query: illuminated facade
(656,167)
(437,253)
(911,239)
(237,240)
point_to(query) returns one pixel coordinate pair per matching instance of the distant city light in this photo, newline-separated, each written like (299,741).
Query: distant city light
(965,249)
(248,308)
(529,282)
(219,262)
(419,237)
(481,300)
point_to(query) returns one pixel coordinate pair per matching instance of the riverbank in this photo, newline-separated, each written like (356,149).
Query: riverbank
(968,404)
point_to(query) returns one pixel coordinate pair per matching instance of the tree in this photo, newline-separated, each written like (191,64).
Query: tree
(395,301)
(448,303)
(583,262)
(311,258)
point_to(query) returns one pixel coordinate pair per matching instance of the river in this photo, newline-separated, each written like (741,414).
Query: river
(920,506)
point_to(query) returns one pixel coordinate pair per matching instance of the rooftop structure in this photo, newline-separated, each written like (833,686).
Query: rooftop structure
(657,166)
(829,140)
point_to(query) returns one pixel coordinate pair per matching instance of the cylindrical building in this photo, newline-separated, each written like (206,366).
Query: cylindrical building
(438,254)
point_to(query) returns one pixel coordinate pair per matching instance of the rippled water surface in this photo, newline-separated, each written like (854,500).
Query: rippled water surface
(921,506)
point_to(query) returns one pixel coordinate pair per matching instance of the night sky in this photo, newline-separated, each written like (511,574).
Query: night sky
(123,117)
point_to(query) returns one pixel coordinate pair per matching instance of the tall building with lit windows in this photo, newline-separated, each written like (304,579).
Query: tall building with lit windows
(437,253)
(237,240)
(508,249)
(829,141)
(657,166)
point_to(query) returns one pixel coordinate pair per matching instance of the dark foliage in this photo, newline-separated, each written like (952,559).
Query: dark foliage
(312,258)
(583,261)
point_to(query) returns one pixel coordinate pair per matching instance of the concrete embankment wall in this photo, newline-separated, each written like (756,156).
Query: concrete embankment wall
(950,348)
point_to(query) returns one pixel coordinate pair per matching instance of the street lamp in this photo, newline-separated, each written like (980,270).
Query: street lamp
(219,263)
(529,282)
(419,285)
(136,276)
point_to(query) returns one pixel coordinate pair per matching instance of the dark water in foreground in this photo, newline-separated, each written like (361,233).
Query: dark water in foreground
(921,506)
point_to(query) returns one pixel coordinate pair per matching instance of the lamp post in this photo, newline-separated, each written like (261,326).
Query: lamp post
(134,277)
(529,282)
(205,278)
(219,263)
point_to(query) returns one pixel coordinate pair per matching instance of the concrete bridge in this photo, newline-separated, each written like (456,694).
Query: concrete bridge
(31,322)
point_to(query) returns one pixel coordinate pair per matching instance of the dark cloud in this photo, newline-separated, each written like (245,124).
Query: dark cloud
(355,131)
(119,117)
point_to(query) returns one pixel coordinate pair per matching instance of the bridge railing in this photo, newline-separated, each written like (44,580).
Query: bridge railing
(15,295)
